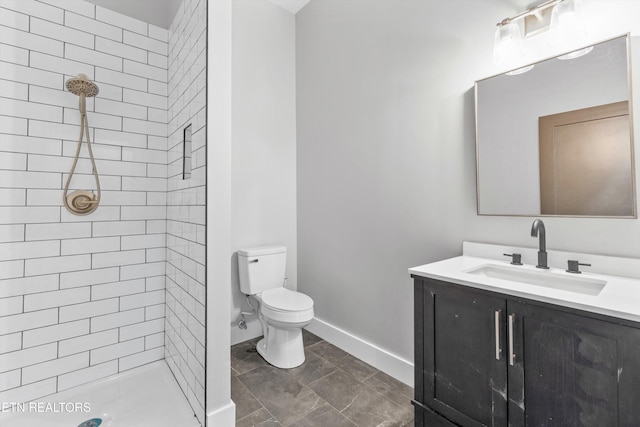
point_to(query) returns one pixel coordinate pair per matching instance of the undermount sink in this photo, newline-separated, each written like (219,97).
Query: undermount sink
(548,279)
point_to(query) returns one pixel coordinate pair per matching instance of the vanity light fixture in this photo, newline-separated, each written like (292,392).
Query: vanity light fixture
(562,17)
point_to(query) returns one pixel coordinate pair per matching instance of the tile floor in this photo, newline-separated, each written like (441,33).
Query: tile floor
(331,389)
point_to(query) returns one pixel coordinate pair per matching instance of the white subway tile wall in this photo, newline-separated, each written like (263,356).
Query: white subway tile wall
(185,296)
(85,297)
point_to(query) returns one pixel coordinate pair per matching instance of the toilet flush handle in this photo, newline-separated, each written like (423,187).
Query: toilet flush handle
(253,260)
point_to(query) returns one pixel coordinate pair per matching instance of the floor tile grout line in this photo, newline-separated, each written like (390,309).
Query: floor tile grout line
(304,416)
(251,393)
(363,381)
(370,389)
(253,412)
(272,416)
(303,385)
(257,400)
(324,376)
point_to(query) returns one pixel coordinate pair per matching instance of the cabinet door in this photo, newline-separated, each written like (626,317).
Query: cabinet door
(572,371)
(463,368)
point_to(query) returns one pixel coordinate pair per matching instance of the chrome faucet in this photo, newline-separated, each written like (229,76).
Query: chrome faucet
(537,230)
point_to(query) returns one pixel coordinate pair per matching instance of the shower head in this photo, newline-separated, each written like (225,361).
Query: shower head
(81,85)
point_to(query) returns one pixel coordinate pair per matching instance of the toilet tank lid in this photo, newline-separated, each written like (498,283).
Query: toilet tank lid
(262,250)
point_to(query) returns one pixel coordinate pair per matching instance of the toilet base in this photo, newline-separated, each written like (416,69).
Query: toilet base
(282,348)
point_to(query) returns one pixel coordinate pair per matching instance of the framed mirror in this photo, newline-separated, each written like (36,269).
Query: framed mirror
(557,140)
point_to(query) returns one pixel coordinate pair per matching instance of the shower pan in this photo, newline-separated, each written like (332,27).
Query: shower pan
(82,202)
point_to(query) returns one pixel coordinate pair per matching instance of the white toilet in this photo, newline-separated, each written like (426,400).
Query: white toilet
(282,312)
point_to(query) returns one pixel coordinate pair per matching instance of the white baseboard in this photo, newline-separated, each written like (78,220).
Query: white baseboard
(381,359)
(224,416)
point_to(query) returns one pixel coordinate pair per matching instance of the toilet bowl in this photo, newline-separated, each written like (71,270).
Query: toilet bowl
(282,312)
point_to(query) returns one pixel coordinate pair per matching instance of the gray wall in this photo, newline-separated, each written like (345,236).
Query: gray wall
(381,140)
(264,141)
(386,154)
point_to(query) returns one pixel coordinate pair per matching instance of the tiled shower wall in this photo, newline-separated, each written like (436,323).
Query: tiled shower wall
(185,310)
(81,297)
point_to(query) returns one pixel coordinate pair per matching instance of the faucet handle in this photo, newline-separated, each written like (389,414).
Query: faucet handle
(573,266)
(516,259)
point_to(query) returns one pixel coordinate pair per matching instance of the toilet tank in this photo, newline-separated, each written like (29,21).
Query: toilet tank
(261,268)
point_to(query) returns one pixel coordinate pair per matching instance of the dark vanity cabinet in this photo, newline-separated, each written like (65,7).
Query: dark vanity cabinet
(489,359)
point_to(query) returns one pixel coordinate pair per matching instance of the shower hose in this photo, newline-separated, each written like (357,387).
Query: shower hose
(82,202)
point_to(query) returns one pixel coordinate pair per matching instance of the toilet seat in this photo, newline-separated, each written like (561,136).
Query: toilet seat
(283,299)
(287,306)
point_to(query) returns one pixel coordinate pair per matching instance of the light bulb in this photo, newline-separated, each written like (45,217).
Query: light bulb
(508,48)
(520,70)
(567,26)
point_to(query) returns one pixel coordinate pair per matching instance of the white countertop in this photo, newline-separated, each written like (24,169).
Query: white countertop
(619,298)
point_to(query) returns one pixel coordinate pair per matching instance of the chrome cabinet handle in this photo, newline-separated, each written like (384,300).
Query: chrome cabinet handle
(512,356)
(497,326)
